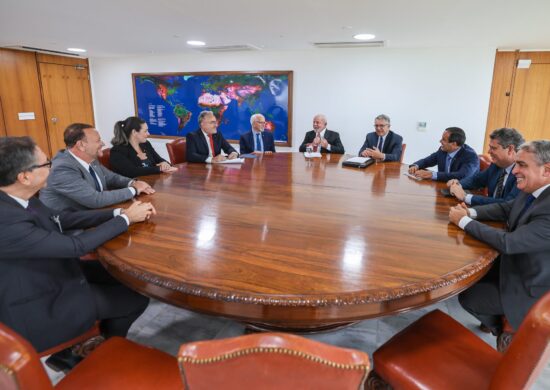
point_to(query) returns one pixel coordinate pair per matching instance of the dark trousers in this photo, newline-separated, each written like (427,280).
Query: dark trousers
(482,300)
(117,305)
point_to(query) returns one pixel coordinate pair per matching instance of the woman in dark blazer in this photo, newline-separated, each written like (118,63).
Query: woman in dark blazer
(132,155)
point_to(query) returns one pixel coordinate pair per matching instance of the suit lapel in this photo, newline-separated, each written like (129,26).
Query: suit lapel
(99,172)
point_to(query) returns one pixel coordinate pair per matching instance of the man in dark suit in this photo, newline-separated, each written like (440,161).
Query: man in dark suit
(206,144)
(257,140)
(78,181)
(382,144)
(320,139)
(498,179)
(454,160)
(46,294)
(521,274)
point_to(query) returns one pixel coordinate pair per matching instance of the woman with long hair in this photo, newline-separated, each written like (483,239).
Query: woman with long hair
(132,155)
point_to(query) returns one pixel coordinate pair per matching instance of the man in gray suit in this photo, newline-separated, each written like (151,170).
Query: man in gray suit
(521,274)
(79,182)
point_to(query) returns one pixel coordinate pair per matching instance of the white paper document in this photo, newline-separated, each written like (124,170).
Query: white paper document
(312,154)
(234,161)
(358,160)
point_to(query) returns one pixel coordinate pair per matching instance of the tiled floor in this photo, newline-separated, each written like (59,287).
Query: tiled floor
(166,327)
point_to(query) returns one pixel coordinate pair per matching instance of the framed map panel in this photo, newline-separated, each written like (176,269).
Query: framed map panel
(170,103)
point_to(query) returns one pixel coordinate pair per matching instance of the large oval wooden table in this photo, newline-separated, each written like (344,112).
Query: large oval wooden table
(284,242)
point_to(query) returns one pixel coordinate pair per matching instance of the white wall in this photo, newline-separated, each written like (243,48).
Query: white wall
(443,87)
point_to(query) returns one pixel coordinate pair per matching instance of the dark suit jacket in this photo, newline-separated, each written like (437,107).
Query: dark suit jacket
(246,143)
(43,293)
(197,148)
(392,147)
(489,178)
(125,161)
(332,137)
(464,164)
(524,251)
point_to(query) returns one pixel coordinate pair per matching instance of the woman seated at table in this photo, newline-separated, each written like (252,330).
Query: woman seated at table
(132,155)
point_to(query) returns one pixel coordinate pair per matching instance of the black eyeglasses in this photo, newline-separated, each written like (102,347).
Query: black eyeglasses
(47,164)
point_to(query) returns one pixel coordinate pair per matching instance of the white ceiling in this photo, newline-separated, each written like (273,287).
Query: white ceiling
(136,27)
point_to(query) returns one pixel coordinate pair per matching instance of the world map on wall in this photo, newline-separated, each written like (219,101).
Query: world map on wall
(171,103)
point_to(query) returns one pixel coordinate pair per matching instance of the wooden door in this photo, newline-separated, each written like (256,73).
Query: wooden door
(21,111)
(520,97)
(530,108)
(67,98)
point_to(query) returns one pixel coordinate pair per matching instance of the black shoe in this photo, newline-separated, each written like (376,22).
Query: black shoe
(63,361)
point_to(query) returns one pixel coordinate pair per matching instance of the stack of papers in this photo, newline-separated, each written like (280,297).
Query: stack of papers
(312,154)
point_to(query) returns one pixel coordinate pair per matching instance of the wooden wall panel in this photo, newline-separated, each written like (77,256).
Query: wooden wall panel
(2,123)
(20,92)
(61,60)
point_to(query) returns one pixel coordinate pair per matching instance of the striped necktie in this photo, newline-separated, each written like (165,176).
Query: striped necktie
(94,176)
(500,184)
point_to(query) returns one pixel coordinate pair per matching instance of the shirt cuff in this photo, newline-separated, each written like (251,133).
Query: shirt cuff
(133,191)
(434,175)
(464,221)
(383,156)
(472,213)
(328,147)
(125,218)
(468,199)
(208,160)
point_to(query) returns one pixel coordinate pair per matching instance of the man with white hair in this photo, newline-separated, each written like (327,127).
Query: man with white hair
(320,139)
(257,140)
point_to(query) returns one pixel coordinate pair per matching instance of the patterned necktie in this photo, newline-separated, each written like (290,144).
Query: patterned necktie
(500,184)
(212,144)
(448,164)
(94,176)
(258,143)
(380,143)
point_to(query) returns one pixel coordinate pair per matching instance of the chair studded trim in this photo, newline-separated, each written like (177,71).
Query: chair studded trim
(277,350)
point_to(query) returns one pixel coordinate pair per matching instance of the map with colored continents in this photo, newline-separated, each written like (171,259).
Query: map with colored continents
(171,103)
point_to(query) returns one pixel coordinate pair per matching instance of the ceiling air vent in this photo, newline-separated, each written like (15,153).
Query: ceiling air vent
(214,49)
(323,45)
(40,50)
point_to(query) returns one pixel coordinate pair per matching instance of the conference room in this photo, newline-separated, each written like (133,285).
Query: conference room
(282,242)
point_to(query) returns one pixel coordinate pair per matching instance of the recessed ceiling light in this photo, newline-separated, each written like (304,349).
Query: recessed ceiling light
(196,43)
(76,50)
(364,37)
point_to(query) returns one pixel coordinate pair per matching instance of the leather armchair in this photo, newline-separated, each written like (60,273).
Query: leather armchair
(177,150)
(436,352)
(271,361)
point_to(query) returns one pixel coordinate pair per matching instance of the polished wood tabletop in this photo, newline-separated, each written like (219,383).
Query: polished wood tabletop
(286,242)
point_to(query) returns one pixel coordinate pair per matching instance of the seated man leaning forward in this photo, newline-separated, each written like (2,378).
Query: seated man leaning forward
(46,294)
(382,144)
(320,139)
(206,143)
(498,178)
(79,182)
(257,140)
(521,273)
(454,159)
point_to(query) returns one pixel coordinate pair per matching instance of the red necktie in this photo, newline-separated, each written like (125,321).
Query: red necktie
(212,145)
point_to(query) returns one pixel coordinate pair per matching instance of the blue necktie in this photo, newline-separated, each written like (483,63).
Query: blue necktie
(380,143)
(448,164)
(258,143)
(94,176)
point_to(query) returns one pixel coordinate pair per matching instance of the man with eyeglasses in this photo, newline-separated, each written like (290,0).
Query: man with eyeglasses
(498,178)
(205,145)
(257,140)
(382,144)
(322,140)
(79,182)
(46,294)
(454,159)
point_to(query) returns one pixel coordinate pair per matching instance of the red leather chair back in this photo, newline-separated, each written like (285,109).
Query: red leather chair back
(270,361)
(176,151)
(403,148)
(104,159)
(484,162)
(529,351)
(21,367)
